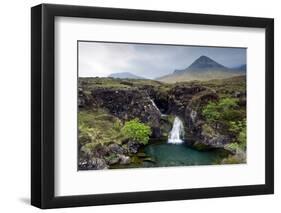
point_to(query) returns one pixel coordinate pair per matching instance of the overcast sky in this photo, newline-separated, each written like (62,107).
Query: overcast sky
(148,61)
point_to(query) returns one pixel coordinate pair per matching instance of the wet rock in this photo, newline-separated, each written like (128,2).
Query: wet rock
(115,148)
(210,138)
(193,115)
(133,147)
(218,141)
(99,163)
(100,151)
(148,159)
(141,155)
(113,159)
(94,163)
(83,164)
(124,159)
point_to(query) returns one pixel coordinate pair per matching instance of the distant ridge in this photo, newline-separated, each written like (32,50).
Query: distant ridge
(125,75)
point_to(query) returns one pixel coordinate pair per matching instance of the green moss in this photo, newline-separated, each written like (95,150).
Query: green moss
(200,146)
(226,116)
(99,127)
(141,155)
(234,159)
(233,147)
(238,128)
(207,130)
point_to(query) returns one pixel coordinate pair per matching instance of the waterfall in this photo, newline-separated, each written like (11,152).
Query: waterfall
(153,103)
(155,106)
(177,132)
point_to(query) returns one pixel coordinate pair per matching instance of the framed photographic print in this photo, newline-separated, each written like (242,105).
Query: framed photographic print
(139,106)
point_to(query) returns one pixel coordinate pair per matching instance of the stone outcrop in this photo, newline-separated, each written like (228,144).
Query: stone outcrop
(104,156)
(187,102)
(125,104)
(183,100)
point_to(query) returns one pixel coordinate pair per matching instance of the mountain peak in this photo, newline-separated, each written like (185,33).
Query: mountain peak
(204,62)
(203,57)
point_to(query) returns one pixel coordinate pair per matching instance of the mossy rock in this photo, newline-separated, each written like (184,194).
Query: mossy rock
(112,159)
(200,146)
(207,130)
(141,155)
(149,159)
(135,160)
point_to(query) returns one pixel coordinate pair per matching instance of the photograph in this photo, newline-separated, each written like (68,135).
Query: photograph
(139,105)
(160,105)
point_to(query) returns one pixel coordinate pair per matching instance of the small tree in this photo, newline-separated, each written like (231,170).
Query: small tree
(136,131)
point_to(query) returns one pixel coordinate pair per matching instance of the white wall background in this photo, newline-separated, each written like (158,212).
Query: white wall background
(15,105)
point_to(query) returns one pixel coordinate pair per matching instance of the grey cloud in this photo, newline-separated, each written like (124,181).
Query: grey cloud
(150,61)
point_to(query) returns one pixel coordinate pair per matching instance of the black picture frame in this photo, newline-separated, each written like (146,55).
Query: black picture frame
(43,102)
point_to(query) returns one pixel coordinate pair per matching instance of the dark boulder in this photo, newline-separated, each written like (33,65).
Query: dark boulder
(116,149)
(133,147)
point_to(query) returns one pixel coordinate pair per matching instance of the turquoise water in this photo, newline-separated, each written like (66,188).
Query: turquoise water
(164,154)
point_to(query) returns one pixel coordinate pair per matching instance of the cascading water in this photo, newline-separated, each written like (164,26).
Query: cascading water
(155,106)
(153,103)
(177,132)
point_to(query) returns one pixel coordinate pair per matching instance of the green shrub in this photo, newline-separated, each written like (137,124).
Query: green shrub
(136,131)
(233,146)
(224,110)
(227,103)
(227,113)
(238,128)
(211,112)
